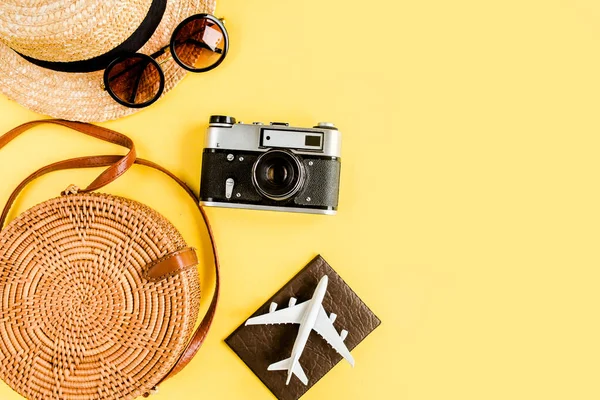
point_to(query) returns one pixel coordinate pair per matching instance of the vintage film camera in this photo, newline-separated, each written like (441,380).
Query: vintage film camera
(271,167)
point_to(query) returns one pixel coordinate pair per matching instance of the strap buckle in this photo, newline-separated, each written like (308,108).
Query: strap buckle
(71,189)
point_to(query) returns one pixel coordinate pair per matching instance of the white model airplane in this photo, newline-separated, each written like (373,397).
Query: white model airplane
(311,316)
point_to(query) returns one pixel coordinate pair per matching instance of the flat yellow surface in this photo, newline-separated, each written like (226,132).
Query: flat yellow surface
(469,216)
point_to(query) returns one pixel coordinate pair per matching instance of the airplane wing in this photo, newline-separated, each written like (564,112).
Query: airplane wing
(325,328)
(290,315)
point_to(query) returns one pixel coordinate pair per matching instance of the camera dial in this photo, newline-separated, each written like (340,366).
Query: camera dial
(222,119)
(278,174)
(326,125)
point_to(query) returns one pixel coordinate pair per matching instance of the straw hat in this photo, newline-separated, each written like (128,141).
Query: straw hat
(42,39)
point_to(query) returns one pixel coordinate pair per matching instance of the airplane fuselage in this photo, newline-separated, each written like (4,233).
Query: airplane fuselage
(308,323)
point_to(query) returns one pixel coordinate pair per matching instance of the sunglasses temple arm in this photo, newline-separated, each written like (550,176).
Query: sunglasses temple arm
(204,46)
(201,44)
(154,56)
(136,86)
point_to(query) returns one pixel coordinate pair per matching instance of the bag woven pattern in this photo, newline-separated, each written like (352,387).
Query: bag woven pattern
(78,318)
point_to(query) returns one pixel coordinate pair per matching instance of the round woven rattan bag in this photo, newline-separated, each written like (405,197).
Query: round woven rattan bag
(97,297)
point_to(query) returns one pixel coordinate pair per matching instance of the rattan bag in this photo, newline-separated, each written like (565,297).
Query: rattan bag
(98,294)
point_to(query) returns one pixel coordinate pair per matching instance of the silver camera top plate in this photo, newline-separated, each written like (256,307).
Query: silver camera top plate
(323,140)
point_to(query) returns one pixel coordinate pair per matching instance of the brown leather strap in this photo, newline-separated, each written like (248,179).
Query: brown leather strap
(115,170)
(102,161)
(82,162)
(171,264)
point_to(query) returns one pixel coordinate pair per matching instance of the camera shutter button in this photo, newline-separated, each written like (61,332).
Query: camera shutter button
(229,183)
(326,125)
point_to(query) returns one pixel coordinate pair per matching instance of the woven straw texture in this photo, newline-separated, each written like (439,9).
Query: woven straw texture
(37,27)
(68,30)
(78,319)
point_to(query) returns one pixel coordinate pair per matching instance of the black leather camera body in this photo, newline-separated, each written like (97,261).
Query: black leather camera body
(271,167)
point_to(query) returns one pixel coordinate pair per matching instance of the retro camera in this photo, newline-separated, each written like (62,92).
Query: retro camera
(271,167)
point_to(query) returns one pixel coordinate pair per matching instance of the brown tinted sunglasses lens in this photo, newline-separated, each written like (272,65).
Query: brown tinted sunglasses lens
(135,80)
(199,44)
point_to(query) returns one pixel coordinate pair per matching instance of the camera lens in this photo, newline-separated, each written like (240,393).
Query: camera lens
(278,174)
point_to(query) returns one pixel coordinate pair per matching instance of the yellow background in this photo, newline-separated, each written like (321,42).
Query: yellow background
(469,216)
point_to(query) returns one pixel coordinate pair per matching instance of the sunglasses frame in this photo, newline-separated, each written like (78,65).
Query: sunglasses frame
(124,57)
(169,48)
(214,19)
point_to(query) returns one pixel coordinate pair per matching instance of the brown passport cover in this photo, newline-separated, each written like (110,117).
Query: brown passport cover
(261,345)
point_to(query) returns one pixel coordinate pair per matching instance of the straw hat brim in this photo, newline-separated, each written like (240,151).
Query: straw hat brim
(81,96)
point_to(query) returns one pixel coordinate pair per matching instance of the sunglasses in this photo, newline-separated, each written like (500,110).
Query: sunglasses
(199,44)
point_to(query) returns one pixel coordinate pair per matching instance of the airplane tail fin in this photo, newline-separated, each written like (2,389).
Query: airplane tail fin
(281,365)
(285,365)
(299,372)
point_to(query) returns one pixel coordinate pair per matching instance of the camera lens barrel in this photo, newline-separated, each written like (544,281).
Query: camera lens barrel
(278,175)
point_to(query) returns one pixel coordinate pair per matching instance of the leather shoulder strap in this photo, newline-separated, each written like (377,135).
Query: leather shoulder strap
(113,171)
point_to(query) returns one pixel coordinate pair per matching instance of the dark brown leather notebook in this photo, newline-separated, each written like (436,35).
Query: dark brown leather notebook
(262,345)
